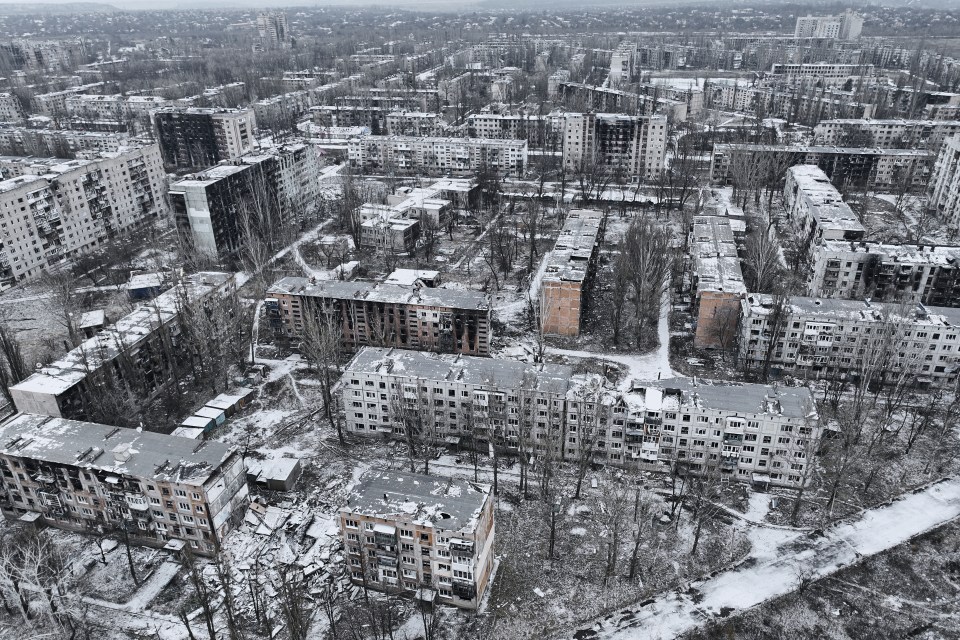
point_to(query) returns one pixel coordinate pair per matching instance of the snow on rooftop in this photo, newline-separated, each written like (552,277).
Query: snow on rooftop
(446,503)
(129,330)
(571,254)
(143,454)
(382,292)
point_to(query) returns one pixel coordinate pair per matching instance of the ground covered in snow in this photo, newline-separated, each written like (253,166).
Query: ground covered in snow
(911,591)
(784,561)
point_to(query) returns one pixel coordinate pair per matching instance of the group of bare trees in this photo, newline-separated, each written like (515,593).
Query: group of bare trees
(641,277)
(755,173)
(206,341)
(239,600)
(38,593)
(884,428)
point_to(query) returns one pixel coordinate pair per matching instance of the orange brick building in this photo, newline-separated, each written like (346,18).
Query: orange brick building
(569,272)
(717,282)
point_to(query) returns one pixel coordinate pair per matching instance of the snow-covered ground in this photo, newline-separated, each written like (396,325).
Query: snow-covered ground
(650,366)
(778,562)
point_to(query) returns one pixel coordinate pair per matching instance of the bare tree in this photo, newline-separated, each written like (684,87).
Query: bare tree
(429,236)
(294,599)
(530,223)
(705,492)
(63,304)
(642,512)
(321,344)
(13,368)
(591,410)
(201,589)
(762,260)
(723,327)
(747,172)
(649,262)
(347,208)
(619,292)
(616,508)
(413,425)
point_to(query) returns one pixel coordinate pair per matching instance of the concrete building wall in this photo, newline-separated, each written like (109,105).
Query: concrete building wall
(945,183)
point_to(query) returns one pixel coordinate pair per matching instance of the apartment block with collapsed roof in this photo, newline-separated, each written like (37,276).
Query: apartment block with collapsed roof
(569,271)
(137,347)
(924,273)
(419,534)
(407,316)
(865,167)
(161,490)
(815,207)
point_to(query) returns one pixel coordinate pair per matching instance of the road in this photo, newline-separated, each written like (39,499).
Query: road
(778,562)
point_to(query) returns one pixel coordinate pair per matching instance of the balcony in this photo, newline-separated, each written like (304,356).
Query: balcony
(387,561)
(464,590)
(465,546)
(137,503)
(734,429)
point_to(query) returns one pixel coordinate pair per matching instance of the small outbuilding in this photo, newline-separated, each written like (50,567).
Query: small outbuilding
(199,422)
(217,415)
(273,474)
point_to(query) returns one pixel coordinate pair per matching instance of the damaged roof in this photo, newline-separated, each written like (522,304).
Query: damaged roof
(447,503)
(467,370)
(381,292)
(101,447)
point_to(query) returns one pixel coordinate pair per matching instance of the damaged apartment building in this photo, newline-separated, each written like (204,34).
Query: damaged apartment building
(437,156)
(135,353)
(407,316)
(749,432)
(218,210)
(162,491)
(424,535)
(823,338)
(635,145)
(844,265)
(816,208)
(922,273)
(857,166)
(569,272)
(54,210)
(717,284)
